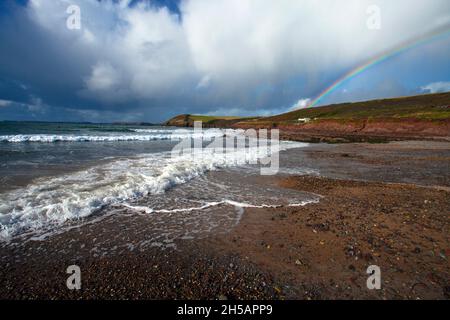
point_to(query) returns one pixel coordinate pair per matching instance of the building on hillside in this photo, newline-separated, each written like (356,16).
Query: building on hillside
(304,120)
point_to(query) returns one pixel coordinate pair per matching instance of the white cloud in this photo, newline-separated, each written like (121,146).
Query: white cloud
(301,104)
(5,103)
(437,87)
(34,104)
(88,36)
(253,38)
(141,49)
(149,53)
(103,77)
(204,82)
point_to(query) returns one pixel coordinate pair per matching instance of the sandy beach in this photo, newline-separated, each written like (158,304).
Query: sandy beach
(317,251)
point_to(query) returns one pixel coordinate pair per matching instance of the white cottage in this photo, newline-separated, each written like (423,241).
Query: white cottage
(304,120)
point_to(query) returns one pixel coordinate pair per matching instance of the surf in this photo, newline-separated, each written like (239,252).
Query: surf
(49,202)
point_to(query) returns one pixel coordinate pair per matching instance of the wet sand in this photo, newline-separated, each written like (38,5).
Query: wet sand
(381,204)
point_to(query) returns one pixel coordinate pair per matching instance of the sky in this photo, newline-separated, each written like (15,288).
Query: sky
(149,60)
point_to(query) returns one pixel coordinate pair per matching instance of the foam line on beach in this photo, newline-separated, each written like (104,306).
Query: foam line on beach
(236,204)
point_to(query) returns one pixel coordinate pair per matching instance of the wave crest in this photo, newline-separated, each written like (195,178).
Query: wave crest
(146,135)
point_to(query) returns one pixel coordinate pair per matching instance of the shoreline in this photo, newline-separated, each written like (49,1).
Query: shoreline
(318,251)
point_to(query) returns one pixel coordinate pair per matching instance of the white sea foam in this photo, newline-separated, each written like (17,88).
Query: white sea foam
(50,202)
(144,135)
(236,204)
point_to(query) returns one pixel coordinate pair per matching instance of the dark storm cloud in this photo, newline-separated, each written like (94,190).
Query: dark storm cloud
(149,60)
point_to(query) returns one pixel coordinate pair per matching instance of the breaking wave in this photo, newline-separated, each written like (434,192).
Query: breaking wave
(50,202)
(139,135)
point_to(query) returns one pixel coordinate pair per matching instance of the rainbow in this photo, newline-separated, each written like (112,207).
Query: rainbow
(441,33)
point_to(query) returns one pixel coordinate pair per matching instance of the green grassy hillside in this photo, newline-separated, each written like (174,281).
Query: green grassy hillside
(430,107)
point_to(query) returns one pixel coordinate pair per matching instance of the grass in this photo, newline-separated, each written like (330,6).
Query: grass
(430,107)
(423,107)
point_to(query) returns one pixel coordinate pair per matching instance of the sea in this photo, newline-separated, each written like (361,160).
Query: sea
(55,176)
